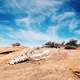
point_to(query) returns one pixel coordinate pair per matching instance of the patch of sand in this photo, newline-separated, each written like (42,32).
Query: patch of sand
(58,66)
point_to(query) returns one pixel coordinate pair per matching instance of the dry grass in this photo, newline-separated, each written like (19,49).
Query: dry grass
(60,65)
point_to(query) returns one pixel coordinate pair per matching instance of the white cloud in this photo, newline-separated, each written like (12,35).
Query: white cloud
(77,32)
(27,21)
(33,35)
(51,31)
(73,25)
(66,15)
(37,36)
(63,16)
(46,3)
(67,19)
(45,8)
(35,6)
(28,35)
(24,21)
(3,41)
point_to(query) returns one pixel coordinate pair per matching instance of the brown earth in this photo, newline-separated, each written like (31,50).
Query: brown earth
(60,65)
(78,48)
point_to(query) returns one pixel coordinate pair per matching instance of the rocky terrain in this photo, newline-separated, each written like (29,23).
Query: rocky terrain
(60,64)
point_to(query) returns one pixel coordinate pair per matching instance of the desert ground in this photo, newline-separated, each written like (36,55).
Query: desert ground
(60,64)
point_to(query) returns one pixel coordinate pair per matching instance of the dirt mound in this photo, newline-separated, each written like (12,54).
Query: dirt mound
(7,50)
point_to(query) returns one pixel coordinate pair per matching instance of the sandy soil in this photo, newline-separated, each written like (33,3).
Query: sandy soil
(59,65)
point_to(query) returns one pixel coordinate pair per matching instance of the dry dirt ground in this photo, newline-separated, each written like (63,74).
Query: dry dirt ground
(60,65)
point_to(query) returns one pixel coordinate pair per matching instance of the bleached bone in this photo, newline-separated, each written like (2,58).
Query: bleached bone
(38,56)
(30,56)
(19,59)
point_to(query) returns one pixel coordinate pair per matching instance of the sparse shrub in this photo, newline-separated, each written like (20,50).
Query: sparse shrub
(52,45)
(72,44)
(63,43)
(16,44)
(49,44)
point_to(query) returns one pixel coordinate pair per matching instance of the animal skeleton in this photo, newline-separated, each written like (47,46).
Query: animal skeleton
(31,54)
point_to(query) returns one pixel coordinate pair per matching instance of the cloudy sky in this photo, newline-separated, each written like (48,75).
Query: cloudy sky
(34,22)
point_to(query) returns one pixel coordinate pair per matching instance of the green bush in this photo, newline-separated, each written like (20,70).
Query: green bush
(52,45)
(72,42)
(16,44)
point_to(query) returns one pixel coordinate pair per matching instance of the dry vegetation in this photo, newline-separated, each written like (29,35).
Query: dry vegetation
(61,64)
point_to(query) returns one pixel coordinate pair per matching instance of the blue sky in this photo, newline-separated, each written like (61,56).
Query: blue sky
(34,22)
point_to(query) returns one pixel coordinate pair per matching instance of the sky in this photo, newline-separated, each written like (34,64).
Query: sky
(34,22)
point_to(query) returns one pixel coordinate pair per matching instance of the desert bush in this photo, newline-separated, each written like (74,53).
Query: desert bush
(52,45)
(16,44)
(63,43)
(49,44)
(72,44)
